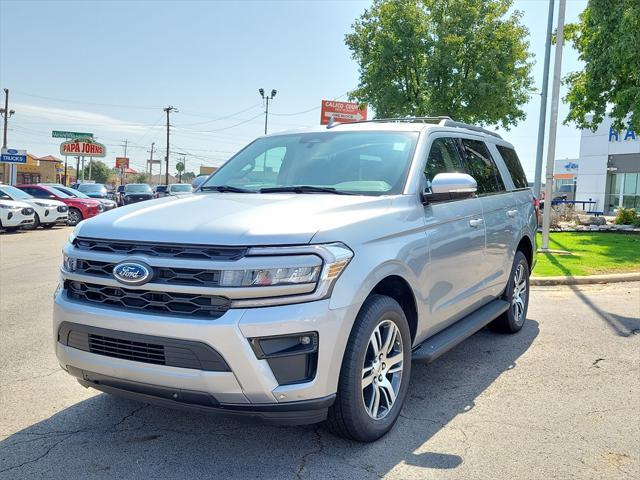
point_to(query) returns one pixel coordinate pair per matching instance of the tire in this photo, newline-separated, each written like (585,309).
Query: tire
(75,217)
(36,222)
(351,414)
(513,319)
(48,225)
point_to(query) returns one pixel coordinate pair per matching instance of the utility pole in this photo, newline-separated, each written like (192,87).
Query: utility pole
(543,102)
(153,144)
(266,99)
(6,113)
(553,126)
(168,109)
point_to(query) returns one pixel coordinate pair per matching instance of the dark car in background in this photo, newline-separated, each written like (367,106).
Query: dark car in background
(159,191)
(119,195)
(92,190)
(136,192)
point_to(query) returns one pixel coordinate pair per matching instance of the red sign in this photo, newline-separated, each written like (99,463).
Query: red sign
(342,112)
(122,162)
(83,147)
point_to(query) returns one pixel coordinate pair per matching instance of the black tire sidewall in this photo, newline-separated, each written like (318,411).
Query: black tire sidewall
(375,309)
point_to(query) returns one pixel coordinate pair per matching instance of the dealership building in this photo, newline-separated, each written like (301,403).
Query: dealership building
(609,168)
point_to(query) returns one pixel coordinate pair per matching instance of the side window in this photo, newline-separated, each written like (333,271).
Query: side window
(36,192)
(514,166)
(4,195)
(444,157)
(481,166)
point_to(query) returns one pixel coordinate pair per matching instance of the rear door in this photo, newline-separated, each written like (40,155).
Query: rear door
(499,211)
(457,240)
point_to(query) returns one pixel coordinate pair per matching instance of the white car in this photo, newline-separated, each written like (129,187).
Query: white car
(14,215)
(179,189)
(47,212)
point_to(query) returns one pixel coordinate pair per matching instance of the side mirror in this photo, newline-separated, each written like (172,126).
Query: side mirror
(450,186)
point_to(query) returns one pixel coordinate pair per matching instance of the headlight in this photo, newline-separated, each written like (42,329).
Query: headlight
(9,207)
(42,204)
(311,271)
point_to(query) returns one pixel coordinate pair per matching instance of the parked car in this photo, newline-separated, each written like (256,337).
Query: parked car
(79,208)
(107,204)
(199,180)
(15,215)
(180,189)
(136,192)
(302,279)
(159,191)
(48,212)
(92,190)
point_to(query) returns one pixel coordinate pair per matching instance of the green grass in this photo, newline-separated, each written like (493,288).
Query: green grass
(592,253)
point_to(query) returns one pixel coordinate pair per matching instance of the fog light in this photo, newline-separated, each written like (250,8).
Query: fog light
(306,340)
(292,358)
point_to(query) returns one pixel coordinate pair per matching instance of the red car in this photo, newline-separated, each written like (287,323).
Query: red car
(79,208)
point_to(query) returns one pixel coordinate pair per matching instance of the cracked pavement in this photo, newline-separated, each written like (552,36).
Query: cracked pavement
(558,400)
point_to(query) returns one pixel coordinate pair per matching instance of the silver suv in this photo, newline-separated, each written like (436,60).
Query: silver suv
(302,278)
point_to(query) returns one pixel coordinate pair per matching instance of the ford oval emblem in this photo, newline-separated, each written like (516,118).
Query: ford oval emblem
(132,273)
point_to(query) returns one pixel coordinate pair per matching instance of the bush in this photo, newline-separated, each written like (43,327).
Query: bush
(626,216)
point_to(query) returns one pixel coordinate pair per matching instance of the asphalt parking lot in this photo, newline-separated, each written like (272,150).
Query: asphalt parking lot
(558,400)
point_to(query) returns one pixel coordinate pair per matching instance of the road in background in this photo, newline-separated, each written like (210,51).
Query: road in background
(558,400)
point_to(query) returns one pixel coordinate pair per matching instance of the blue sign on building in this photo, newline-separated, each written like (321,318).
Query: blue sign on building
(11,155)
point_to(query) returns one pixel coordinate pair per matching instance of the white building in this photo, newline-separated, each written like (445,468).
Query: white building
(609,168)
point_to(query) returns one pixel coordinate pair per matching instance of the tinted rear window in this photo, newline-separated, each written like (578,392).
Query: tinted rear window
(512,161)
(482,167)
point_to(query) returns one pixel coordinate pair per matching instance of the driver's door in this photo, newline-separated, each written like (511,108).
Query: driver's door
(456,234)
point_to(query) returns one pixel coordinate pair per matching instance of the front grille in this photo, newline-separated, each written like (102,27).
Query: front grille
(164,275)
(126,349)
(63,208)
(204,306)
(27,211)
(166,250)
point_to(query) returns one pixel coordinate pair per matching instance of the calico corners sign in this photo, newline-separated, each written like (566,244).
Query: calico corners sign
(83,147)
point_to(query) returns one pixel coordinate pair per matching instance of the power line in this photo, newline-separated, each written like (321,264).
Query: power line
(55,99)
(219,118)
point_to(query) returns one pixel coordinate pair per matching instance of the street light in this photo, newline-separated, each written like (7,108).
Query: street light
(266,98)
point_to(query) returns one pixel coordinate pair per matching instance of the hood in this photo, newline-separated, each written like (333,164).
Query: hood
(15,203)
(84,201)
(234,218)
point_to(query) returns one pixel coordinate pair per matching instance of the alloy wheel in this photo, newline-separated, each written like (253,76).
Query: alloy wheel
(519,297)
(382,369)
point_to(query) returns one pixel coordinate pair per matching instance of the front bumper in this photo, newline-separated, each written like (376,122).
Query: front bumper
(248,388)
(18,219)
(52,215)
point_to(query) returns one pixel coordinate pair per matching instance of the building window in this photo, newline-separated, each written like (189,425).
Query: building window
(624,191)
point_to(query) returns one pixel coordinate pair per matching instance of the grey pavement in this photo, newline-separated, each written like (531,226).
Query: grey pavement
(558,400)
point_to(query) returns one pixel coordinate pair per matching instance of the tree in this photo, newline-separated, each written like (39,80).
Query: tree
(141,178)
(607,38)
(467,59)
(100,172)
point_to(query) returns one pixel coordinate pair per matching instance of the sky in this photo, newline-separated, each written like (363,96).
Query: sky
(110,67)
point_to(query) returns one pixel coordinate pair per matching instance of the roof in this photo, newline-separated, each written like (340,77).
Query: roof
(130,170)
(49,158)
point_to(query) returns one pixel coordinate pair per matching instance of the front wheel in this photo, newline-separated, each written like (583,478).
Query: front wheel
(517,294)
(47,225)
(75,217)
(375,372)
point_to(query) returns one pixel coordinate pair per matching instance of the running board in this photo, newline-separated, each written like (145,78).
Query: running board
(451,336)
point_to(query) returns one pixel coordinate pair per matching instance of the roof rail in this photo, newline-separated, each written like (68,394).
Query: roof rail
(441,121)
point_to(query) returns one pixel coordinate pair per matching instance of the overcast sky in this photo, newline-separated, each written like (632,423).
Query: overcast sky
(110,67)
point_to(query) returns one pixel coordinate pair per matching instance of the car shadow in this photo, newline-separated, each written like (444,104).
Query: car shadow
(105,436)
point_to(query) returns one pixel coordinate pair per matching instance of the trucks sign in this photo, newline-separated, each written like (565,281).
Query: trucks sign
(342,112)
(11,155)
(83,147)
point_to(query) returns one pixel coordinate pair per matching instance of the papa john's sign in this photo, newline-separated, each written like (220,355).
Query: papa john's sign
(83,147)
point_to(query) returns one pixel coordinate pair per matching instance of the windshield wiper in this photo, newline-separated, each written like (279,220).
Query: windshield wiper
(225,188)
(303,189)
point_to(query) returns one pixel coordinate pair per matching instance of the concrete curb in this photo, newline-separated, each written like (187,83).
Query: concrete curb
(586,280)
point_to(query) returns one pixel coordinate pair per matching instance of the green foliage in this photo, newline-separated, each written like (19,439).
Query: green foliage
(141,178)
(626,216)
(468,59)
(100,172)
(188,176)
(607,38)
(179,167)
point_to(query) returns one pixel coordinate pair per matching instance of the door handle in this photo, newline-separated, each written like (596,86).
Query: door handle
(512,213)
(476,222)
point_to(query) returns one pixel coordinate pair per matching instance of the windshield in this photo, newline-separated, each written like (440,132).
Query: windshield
(72,192)
(138,188)
(15,193)
(365,163)
(181,187)
(92,187)
(56,192)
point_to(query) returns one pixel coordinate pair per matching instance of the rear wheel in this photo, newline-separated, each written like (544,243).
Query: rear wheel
(75,217)
(375,372)
(517,294)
